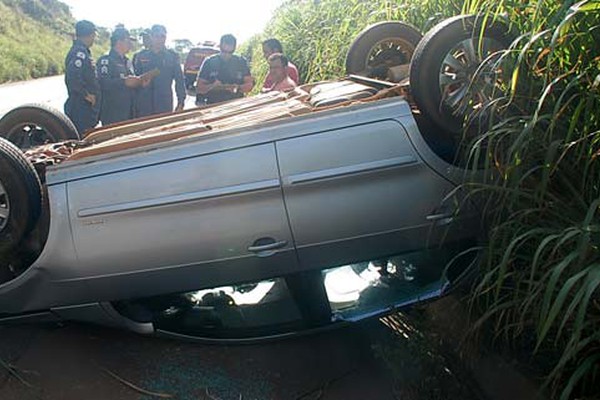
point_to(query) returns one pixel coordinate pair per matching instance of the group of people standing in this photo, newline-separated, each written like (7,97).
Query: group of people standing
(117,89)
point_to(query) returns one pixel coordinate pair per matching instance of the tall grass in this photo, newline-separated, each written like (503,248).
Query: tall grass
(542,270)
(317,34)
(538,289)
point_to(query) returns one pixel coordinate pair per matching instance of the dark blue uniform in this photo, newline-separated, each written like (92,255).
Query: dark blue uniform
(157,97)
(117,99)
(230,72)
(80,78)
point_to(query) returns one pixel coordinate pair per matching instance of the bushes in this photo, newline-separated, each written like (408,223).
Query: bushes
(27,48)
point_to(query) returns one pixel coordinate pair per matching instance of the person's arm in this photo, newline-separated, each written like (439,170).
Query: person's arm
(204,83)
(268,84)
(74,77)
(179,84)
(293,73)
(110,79)
(248,83)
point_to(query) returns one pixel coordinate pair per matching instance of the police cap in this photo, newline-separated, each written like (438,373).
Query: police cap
(120,34)
(84,28)
(158,30)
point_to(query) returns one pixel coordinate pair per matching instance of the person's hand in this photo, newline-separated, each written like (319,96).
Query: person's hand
(147,77)
(133,81)
(90,98)
(179,107)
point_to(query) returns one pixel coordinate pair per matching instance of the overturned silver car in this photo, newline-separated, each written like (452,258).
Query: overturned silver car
(261,217)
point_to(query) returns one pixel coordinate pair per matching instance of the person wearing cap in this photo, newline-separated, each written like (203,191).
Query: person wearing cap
(82,104)
(157,97)
(224,76)
(117,81)
(145,36)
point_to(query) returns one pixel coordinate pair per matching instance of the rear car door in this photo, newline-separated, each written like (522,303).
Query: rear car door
(367,210)
(357,193)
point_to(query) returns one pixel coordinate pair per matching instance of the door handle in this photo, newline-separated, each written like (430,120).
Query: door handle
(443,218)
(267,247)
(437,217)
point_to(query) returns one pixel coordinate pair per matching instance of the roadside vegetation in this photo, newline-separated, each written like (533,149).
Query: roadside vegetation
(35,36)
(538,287)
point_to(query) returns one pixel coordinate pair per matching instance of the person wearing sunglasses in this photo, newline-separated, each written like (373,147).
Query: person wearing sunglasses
(223,76)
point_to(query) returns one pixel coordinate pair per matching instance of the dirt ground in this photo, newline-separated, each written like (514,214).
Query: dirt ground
(78,361)
(411,355)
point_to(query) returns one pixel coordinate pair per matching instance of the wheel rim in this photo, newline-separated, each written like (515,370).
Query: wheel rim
(4,207)
(29,134)
(389,53)
(460,91)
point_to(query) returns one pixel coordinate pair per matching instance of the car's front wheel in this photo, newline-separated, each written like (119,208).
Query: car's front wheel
(20,196)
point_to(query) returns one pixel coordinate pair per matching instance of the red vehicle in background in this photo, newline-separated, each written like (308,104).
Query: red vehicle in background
(194,60)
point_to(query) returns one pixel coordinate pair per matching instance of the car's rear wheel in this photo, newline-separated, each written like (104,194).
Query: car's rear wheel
(36,124)
(455,71)
(20,196)
(381,50)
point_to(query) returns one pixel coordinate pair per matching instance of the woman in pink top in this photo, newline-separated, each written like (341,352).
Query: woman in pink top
(278,70)
(272,46)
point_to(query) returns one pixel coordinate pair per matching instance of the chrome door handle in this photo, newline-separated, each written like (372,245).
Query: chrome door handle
(436,217)
(267,247)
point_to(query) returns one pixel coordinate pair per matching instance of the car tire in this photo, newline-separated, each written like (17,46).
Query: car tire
(20,196)
(380,46)
(433,73)
(36,124)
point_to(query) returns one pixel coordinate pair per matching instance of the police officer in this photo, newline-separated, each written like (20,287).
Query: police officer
(117,81)
(224,76)
(157,97)
(80,77)
(145,36)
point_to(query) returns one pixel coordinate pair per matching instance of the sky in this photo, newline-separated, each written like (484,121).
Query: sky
(184,19)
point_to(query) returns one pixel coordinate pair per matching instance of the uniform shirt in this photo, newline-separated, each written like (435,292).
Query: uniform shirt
(231,72)
(292,73)
(80,72)
(157,97)
(117,99)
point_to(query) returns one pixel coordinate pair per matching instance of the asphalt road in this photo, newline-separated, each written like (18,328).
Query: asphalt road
(50,91)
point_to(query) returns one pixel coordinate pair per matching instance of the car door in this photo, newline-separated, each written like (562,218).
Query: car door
(181,224)
(358,193)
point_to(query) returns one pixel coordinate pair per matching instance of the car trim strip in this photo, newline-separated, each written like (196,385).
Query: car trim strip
(350,169)
(179,198)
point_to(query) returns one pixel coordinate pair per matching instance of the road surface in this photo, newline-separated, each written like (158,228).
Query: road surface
(49,91)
